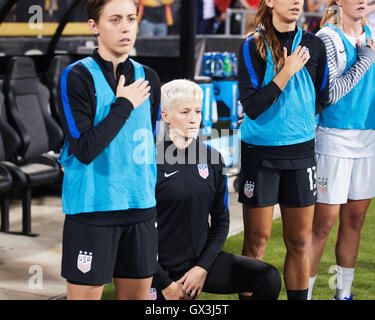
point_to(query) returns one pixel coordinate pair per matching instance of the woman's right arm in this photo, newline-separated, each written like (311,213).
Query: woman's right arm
(254,99)
(340,85)
(77,105)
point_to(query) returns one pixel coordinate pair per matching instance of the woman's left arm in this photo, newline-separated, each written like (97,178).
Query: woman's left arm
(219,213)
(155,84)
(322,79)
(193,281)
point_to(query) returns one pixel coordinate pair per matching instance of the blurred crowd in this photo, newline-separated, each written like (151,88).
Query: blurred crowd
(212,15)
(161,17)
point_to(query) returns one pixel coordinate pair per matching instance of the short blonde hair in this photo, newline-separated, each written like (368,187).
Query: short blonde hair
(178,91)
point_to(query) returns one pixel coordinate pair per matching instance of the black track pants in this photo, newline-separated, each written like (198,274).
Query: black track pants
(233,273)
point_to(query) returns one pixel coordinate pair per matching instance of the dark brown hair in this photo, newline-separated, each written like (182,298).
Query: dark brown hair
(94,8)
(263,21)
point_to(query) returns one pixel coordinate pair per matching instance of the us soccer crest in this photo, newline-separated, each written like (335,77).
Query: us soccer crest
(203,170)
(153,294)
(249,189)
(322,184)
(84,261)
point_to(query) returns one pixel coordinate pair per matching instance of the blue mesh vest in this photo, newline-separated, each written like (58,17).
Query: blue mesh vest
(291,119)
(356,109)
(121,177)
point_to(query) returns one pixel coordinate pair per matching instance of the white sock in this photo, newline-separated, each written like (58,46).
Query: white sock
(311,285)
(344,279)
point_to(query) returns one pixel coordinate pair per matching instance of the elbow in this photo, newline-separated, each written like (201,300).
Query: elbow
(254,109)
(252,115)
(331,100)
(83,159)
(83,156)
(332,96)
(223,226)
(249,112)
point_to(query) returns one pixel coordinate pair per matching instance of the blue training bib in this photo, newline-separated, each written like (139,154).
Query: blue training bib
(121,177)
(356,109)
(291,119)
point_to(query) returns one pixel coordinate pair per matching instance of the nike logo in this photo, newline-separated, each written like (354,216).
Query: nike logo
(342,51)
(167,175)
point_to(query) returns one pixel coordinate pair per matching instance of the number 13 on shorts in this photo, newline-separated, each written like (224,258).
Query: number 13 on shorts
(312,177)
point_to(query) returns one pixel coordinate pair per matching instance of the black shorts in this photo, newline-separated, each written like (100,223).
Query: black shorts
(263,186)
(93,255)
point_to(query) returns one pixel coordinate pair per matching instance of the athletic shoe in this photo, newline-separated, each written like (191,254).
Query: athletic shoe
(346,298)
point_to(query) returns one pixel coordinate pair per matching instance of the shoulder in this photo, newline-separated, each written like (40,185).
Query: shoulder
(328,34)
(153,79)
(250,40)
(332,41)
(151,74)
(313,40)
(250,43)
(334,45)
(76,76)
(76,71)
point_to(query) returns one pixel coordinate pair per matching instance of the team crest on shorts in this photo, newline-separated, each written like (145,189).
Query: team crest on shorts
(248,189)
(203,170)
(322,184)
(84,261)
(153,294)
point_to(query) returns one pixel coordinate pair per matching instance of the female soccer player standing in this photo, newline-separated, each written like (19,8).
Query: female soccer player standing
(345,141)
(109,182)
(282,82)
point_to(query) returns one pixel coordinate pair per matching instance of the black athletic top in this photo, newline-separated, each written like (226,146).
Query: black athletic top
(187,193)
(93,140)
(256,101)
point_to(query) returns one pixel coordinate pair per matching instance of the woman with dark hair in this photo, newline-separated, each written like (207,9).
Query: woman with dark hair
(109,103)
(283,84)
